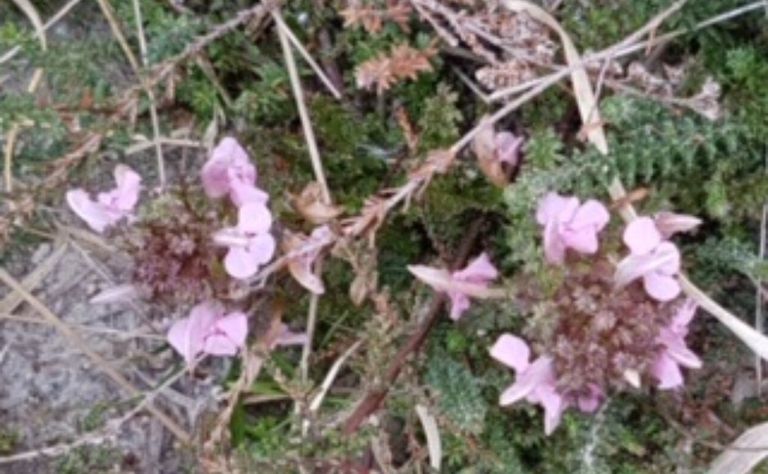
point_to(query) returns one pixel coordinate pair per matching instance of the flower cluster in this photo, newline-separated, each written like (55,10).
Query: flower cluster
(602,332)
(177,254)
(229,172)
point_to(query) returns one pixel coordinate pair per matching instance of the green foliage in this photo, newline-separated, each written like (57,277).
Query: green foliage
(458,393)
(87,459)
(439,119)
(8,440)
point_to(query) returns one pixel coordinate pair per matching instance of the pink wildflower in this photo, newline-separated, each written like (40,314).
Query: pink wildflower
(229,171)
(508,147)
(109,207)
(651,258)
(674,352)
(307,250)
(471,281)
(250,243)
(567,224)
(207,330)
(535,381)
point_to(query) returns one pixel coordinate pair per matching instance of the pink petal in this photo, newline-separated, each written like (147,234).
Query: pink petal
(554,406)
(234,326)
(667,372)
(661,287)
(188,335)
(219,345)
(634,266)
(459,304)
(553,207)
(254,218)
(511,351)
(439,279)
(128,188)
(669,255)
(227,159)
(592,214)
(242,193)
(229,150)
(684,315)
(508,147)
(179,339)
(678,350)
(537,373)
(261,248)
(583,240)
(239,263)
(479,270)
(589,403)
(554,248)
(90,211)
(203,316)
(642,236)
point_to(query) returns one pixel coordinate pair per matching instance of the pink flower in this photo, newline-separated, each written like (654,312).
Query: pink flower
(229,171)
(567,224)
(674,352)
(508,148)
(472,281)
(250,243)
(534,381)
(654,260)
(109,207)
(208,330)
(307,250)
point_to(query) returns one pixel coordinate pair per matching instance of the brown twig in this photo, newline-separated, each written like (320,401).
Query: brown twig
(375,397)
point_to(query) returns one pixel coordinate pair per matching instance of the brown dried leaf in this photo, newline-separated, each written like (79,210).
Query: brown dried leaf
(311,206)
(307,249)
(412,138)
(437,162)
(384,71)
(484,147)
(369,220)
(372,19)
